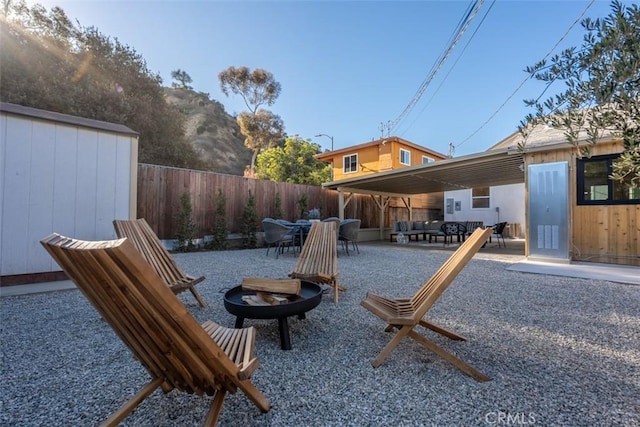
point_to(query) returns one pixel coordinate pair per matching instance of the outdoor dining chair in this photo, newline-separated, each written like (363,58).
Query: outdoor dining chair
(348,233)
(278,235)
(498,230)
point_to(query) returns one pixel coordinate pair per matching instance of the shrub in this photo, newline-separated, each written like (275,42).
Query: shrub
(303,204)
(219,230)
(186,229)
(249,223)
(277,211)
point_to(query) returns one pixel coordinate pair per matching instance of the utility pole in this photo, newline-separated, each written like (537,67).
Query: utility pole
(328,136)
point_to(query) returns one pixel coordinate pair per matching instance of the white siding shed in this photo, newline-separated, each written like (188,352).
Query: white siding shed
(64,174)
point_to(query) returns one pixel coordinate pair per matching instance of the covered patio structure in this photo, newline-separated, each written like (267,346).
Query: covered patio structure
(490,168)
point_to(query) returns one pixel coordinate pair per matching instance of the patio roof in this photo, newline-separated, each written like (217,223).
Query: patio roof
(489,168)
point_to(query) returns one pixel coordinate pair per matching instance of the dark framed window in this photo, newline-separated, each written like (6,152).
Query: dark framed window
(595,187)
(350,164)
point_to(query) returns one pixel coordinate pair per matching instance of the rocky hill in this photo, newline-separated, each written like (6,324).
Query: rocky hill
(214,133)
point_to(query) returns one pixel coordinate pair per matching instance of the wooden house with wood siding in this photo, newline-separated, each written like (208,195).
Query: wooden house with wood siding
(573,196)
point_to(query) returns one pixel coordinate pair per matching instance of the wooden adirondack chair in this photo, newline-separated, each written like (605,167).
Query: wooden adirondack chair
(177,352)
(147,243)
(406,313)
(318,260)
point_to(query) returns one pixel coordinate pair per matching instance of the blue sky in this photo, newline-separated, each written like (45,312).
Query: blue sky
(346,67)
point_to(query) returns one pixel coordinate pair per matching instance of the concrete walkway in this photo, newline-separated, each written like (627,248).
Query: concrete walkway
(584,270)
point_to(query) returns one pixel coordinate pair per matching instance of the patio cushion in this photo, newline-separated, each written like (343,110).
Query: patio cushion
(418,225)
(433,226)
(402,226)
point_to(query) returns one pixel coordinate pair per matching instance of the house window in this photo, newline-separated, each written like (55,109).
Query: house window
(350,163)
(596,188)
(426,160)
(480,197)
(405,157)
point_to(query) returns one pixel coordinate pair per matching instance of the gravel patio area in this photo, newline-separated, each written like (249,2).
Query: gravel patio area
(559,351)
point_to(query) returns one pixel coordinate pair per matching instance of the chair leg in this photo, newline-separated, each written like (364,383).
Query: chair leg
(442,331)
(197,296)
(216,407)
(386,351)
(132,403)
(458,363)
(255,396)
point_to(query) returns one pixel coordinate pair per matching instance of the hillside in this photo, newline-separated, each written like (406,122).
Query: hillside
(214,133)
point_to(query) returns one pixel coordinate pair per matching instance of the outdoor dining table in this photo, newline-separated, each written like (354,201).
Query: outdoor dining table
(300,229)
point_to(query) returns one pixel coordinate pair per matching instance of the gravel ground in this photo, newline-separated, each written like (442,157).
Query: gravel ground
(559,351)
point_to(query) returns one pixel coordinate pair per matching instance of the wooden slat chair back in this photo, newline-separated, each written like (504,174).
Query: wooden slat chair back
(147,243)
(318,260)
(406,313)
(177,352)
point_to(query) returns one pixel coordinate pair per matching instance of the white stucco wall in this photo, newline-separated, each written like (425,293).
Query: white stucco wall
(57,177)
(508,198)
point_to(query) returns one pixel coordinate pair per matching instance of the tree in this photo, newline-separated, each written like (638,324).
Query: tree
(294,163)
(602,94)
(261,128)
(257,87)
(48,62)
(182,79)
(262,131)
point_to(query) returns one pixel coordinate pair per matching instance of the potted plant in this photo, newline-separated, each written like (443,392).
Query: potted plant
(314,214)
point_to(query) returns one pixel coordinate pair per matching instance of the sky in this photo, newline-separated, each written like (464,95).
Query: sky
(349,69)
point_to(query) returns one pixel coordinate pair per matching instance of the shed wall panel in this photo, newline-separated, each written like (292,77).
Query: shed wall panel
(15,223)
(3,157)
(122,178)
(65,178)
(106,185)
(40,212)
(86,184)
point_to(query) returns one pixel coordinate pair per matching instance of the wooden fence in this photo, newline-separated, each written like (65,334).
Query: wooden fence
(160,188)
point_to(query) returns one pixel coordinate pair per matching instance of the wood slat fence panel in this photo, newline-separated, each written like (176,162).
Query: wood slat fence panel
(160,188)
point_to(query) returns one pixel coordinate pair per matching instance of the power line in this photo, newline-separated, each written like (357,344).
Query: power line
(529,76)
(451,69)
(465,22)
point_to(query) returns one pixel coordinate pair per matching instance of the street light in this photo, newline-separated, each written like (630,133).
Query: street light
(328,136)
